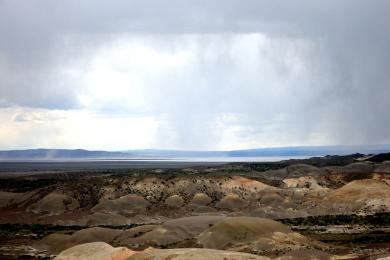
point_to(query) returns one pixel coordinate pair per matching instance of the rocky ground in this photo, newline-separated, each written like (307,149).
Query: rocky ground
(335,207)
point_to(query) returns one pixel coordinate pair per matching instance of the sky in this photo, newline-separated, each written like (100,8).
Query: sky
(194,74)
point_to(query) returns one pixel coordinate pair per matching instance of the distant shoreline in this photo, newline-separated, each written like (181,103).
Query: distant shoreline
(248,155)
(56,165)
(166,159)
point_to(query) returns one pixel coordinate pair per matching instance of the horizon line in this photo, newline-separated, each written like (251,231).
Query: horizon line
(196,150)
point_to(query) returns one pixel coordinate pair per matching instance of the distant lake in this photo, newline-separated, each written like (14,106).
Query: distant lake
(161,159)
(136,163)
(241,159)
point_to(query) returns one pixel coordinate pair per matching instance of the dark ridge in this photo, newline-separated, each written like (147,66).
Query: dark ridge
(379,158)
(377,219)
(328,160)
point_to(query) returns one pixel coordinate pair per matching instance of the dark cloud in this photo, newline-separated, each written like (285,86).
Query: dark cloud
(346,93)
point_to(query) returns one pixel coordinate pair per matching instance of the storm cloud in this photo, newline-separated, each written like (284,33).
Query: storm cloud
(203,74)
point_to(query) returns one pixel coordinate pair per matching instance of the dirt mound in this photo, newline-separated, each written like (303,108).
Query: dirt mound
(95,250)
(360,195)
(54,203)
(307,254)
(8,198)
(384,177)
(170,233)
(95,234)
(200,199)
(28,198)
(356,168)
(254,235)
(239,182)
(105,219)
(192,254)
(298,170)
(199,210)
(383,168)
(128,204)
(271,198)
(125,238)
(302,182)
(232,202)
(381,257)
(174,201)
(274,175)
(55,243)
(292,171)
(108,219)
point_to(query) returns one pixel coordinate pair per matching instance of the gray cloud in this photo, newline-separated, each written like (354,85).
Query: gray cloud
(345,94)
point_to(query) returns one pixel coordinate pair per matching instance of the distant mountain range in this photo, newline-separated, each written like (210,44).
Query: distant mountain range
(59,154)
(47,154)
